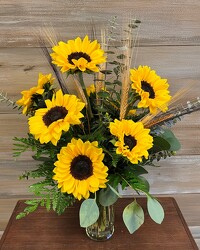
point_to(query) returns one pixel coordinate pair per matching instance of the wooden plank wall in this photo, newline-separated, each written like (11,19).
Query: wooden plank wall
(169,42)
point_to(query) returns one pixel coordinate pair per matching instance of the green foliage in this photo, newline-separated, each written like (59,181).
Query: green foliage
(164,145)
(158,156)
(172,140)
(23,144)
(50,196)
(88,213)
(155,209)
(51,199)
(133,216)
(9,102)
(32,206)
(31,144)
(159,144)
(129,177)
(108,196)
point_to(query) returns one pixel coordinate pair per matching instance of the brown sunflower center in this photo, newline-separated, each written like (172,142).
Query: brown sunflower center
(81,167)
(54,114)
(78,55)
(147,88)
(130,141)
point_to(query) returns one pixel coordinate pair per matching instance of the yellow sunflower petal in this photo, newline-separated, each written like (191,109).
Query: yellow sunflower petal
(78,54)
(75,162)
(48,123)
(153,90)
(134,140)
(27,95)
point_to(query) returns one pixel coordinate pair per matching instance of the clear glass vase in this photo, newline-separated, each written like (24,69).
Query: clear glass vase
(103,228)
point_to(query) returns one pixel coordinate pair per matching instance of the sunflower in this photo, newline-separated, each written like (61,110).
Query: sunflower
(78,55)
(133,139)
(27,95)
(79,169)
(152,89)
(48,123)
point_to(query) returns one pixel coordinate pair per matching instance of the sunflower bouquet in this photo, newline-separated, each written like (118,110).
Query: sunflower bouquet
(89,143)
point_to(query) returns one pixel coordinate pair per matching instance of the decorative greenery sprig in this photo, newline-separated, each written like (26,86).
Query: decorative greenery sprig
(8,101)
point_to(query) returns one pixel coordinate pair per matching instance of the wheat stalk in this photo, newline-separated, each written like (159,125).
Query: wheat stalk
(128,52)
(79,90)
(151,120)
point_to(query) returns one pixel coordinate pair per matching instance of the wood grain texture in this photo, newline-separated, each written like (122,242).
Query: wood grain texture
(186,202)
(163,22)
(68,230)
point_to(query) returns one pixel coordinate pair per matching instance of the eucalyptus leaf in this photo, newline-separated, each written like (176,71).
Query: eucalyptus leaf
(172,140)
(133,216)
(108,196)
(109,52)
(159,144)
(114,190)
(103,94)
(155,210)
(108,83)
(132,26)
(138,170)
(118,82)
(88,213)
(106,72)
(114,62)
(121,56)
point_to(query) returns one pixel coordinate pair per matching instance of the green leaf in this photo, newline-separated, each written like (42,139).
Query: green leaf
(109,52)
(160,144)
(48,203)
(132,26)
(114,62)
(116,70)
(118,82)
(138,170)
(21,215)
(143,184)
(88,213)
(103,94)
(108,196)
(121,56)
(108,83)
(106,72)
(172,140)
(32,202)
(133,216)
(113,141)
(30,209)
(137,21)
(114,190)
(155,210)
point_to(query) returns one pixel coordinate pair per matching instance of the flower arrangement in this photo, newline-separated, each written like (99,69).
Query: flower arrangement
(89,143)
